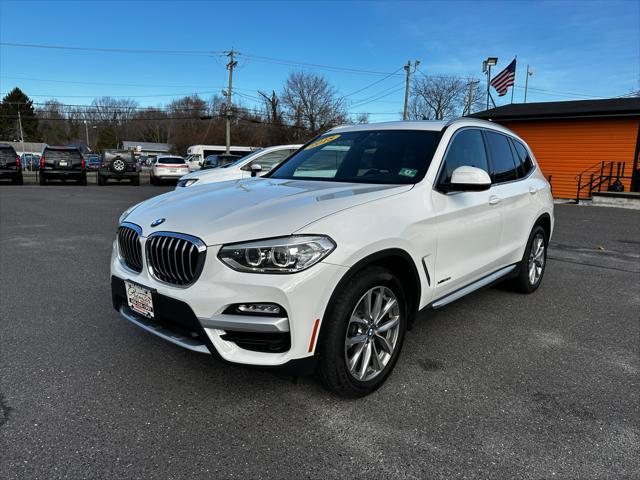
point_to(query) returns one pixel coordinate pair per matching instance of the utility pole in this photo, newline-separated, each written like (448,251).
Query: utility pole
(86,130)
(407,68)
(526,82)
(470,85)
(21,132)
(232,63)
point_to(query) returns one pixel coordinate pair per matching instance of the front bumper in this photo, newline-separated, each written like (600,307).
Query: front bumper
(195,317)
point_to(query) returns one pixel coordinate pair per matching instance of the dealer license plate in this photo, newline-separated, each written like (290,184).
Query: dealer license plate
(139,299)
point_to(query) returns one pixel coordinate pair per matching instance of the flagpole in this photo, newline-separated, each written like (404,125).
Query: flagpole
(513,87)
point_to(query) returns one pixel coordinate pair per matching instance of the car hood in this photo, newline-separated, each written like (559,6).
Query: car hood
(249,209)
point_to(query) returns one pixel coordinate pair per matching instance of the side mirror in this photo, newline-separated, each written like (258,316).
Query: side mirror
(255,169)
(470,179)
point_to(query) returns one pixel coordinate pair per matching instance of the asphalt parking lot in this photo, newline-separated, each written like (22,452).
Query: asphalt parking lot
(497,385)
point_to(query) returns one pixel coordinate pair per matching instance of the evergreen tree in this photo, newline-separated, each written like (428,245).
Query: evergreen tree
(15,101)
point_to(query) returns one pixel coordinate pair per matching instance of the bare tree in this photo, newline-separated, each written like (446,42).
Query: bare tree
(362,117)
(436,98)
(311,103)
(52,122)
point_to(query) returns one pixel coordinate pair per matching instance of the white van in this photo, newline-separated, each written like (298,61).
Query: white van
(197,153)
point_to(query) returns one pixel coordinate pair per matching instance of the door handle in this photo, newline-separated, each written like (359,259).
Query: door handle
(493,200)
(533,190)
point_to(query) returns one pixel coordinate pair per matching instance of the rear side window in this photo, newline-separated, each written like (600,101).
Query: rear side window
(62,155)
(7,153)
(502,165)
(466,149)
(171,161)
(522,158)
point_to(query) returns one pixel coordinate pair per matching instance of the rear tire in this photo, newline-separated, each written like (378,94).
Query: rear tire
(354,360)
(533,263)
(82,180)
(42,180)
(18,181)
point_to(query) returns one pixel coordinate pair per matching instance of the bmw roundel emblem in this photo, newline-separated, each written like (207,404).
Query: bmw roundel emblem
(157,222)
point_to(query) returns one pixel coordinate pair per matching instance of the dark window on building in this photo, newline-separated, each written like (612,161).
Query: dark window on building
(502,164)
(466,149)
(523,158)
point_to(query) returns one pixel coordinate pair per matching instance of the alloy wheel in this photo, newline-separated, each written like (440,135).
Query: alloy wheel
(372,333)
(536,259)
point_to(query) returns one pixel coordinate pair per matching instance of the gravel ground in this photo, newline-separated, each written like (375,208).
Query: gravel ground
(496,385)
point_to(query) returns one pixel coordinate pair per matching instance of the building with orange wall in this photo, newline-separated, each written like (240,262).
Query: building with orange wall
(591,143)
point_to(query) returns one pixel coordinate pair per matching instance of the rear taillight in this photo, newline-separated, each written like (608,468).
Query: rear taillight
(42,161)
(18,164)
(82,163)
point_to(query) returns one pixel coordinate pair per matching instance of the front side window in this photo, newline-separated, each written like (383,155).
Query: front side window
(269,160)
(502,164)
(375,156)
(465,150)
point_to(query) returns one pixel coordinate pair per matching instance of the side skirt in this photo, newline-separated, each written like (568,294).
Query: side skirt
(477,285)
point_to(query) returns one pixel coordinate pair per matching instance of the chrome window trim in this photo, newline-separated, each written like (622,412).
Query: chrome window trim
(486,149)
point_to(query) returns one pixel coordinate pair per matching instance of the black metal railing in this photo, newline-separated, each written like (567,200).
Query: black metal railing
(600,176)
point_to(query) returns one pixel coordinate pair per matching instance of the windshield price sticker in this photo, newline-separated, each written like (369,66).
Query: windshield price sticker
(322,141)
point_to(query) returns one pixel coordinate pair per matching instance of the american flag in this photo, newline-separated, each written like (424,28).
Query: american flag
(505,79)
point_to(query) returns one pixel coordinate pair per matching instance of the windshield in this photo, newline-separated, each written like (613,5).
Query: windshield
(375,156)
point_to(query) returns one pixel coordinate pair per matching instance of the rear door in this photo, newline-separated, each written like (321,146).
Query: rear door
(512,190)
(467,224)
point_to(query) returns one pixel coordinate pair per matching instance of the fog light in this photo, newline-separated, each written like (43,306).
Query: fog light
(259,308)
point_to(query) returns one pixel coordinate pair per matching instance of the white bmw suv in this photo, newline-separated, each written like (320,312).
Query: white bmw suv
(323,264)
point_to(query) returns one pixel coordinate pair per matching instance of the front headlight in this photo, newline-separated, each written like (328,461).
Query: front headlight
(127,212)
(187,182)
(277,255)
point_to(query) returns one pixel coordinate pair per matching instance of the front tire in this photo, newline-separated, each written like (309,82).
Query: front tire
(362,333)
(533,263)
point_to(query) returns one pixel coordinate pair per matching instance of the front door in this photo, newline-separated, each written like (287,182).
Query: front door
(468,225)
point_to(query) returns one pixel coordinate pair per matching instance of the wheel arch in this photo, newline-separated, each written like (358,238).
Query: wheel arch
(544,221)
(398,262)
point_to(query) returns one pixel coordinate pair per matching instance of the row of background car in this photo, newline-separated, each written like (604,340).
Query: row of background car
(67,163)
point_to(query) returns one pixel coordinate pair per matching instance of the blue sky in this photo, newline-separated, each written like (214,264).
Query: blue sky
(578,50)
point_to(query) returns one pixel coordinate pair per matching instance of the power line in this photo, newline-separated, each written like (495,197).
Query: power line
(198,53)
(121,96)
(372,84)
(278,61)
(143,85)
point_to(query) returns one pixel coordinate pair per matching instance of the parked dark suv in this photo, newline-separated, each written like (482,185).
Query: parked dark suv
(118,165)
(10,167)
(62,163)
